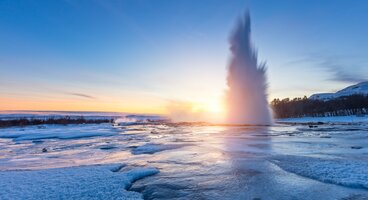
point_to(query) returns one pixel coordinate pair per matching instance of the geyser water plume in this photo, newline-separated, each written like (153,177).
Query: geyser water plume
(247,92)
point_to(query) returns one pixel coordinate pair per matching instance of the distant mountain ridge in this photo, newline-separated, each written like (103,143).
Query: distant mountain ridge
(360,88)
(352,100)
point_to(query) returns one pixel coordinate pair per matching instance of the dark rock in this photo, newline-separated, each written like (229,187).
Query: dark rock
(107,147)
(44,150)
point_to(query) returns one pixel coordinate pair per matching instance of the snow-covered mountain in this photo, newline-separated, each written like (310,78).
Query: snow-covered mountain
(360,88)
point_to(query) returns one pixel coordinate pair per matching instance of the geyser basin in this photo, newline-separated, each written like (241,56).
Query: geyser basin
(247,93)
(194,162)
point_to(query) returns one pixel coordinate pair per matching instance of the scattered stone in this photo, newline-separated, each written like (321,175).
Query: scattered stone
(44,150)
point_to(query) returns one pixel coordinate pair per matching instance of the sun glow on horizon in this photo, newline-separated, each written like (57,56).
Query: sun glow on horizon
(208,110)
(211,105)
(138,107)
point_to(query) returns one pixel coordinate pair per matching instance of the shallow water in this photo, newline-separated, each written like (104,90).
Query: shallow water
(206,162)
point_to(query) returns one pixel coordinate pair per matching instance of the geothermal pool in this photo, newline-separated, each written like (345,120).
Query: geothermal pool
(184,161)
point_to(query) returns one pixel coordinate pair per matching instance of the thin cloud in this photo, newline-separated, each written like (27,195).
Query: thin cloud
(339,67)
(341,75)
(343,71)
(82,95)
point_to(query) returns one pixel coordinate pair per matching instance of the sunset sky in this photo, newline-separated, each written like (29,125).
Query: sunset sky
(144,56)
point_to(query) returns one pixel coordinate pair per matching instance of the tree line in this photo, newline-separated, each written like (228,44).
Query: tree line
(304,107)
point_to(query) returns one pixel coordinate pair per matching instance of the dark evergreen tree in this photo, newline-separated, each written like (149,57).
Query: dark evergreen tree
(304,107)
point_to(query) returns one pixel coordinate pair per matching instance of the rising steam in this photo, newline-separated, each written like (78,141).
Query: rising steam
(247,93)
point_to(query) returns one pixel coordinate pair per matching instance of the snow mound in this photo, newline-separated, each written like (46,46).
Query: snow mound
(139,173)
(360,88)
(85,182)
(57,132)
(349,173)
(151,148)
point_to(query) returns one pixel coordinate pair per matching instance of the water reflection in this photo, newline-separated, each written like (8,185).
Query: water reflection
(215,166)
(232,162)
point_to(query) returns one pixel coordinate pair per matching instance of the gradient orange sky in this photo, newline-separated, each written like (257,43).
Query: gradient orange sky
(143,57)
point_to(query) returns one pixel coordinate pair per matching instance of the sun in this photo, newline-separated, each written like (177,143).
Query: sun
(205,110)
(210,106)
(214,107)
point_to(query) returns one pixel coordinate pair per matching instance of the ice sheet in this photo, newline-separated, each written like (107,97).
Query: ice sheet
(85,182)
(58,131)
(350,173)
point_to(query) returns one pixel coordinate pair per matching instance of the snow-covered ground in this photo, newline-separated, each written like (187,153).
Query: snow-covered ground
(43,115)
(336,119)
(57,132)
(184,161)
(85,182)
(8,115)
(350,173)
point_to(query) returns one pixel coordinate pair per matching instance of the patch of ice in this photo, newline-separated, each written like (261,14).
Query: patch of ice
(151,148)
(85,182)
(58,132)
(350,173)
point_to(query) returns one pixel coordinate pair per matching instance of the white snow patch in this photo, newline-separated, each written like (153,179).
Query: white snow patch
(360,88)
(350,173)
(57,132)
(85,182)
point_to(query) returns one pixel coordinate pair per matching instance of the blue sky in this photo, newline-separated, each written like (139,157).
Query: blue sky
(138,55)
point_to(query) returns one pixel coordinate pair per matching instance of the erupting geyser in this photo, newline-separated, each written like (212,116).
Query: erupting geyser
(247,93)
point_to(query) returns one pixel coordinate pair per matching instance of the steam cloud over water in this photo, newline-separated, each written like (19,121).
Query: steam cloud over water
(247,93)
